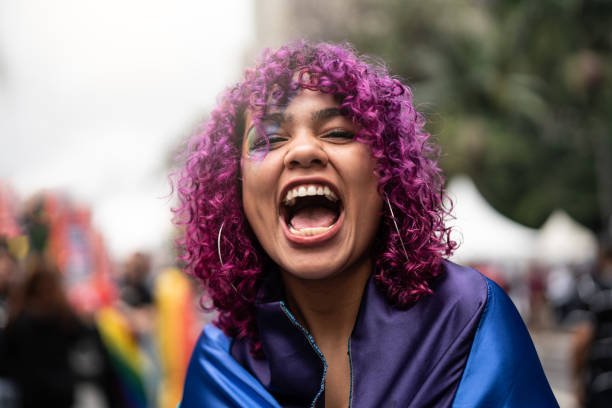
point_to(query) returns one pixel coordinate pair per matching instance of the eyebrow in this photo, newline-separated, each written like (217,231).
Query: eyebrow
(325,114)
(318,116)
(279,118)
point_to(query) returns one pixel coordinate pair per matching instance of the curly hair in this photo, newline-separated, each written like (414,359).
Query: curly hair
(209,188)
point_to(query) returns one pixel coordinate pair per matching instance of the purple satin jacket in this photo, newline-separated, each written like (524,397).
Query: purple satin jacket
(463,346)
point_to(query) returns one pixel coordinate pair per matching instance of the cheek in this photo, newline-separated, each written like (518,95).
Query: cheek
(362,168)
(259,180)
(257,175)
(371,209)
(365,182)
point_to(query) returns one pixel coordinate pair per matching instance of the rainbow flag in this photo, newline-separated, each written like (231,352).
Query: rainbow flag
(126,356)
(176,332)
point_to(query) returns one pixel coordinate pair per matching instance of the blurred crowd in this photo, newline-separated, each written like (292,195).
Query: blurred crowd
(73,320)
(592,340)
(573,299)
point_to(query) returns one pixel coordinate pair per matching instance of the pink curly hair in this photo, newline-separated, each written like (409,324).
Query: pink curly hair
(209,189)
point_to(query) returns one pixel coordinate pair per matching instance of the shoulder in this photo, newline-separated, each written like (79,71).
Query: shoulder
(503,368)
(418,352)
(214,378)
(461,283)
(459,289)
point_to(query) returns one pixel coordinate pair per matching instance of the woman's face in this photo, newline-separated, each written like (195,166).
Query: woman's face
(310,198)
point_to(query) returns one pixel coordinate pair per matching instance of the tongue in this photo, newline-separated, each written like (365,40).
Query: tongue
(312,217)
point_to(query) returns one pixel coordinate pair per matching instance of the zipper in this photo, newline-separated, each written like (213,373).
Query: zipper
(351,371)
(315,348)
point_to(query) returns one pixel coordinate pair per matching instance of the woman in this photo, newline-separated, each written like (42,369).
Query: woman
(42,332)
(312,209)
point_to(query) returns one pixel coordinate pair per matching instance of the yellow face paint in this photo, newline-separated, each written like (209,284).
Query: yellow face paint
(258,144)
(253,140)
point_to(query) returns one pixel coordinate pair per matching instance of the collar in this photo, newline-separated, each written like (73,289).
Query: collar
(412,357)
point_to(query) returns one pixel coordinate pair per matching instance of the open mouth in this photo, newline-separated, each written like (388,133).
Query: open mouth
(310,210)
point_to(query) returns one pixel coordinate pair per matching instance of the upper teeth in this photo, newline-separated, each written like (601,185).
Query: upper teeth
(308,190)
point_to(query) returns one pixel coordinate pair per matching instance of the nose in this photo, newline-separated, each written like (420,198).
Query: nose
(305,151)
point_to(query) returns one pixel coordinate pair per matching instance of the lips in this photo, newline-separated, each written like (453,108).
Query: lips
(310,212)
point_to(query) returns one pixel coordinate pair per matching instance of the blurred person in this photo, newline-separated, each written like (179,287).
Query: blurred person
(135,294)
(134,284)
(36,222)
(8,276)
(560,289)
(138,313)
(41,332)
(538,304)
(592,340)
(312,211)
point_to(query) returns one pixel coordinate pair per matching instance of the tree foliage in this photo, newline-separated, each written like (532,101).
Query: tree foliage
(518,92)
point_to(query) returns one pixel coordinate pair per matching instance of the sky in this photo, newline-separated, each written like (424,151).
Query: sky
(95,95)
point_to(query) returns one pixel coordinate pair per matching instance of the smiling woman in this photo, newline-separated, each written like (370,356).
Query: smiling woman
(312,209)
(312,235)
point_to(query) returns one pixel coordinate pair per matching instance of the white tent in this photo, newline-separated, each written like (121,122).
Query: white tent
(484,234)
(562,240)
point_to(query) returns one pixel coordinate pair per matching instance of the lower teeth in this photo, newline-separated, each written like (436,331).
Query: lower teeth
(308,232)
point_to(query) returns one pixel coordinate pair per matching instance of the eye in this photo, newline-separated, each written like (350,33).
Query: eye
(274,140)
(257,142)
(340,135)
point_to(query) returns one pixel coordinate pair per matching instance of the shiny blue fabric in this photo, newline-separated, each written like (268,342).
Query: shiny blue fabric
(466,346)
(215,379)
(503,369)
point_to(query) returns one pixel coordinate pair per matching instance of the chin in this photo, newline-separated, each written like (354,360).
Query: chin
(314,267)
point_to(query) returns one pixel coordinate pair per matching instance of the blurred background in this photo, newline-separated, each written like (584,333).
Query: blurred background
(97,98)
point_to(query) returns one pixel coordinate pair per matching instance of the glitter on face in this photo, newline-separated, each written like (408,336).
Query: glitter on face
(258,145)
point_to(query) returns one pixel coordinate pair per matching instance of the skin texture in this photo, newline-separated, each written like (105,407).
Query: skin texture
(307,150)
(324,281)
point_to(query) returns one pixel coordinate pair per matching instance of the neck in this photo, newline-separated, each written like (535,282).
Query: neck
(328,308)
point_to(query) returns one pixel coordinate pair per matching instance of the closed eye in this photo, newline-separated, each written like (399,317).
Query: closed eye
(273,141)
(340,135)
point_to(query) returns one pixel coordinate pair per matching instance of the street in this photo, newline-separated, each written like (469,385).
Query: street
(553,347)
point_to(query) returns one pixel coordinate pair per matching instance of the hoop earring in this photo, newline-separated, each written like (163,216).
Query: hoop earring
(221,260)
(396,227)
(219,243)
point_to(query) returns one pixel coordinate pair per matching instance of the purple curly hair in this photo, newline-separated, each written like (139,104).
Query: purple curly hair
(209,189)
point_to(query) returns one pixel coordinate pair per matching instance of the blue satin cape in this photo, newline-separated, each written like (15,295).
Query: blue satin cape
(501,370)
(215,379)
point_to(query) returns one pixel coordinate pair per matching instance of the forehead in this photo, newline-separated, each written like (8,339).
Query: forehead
(304,104)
